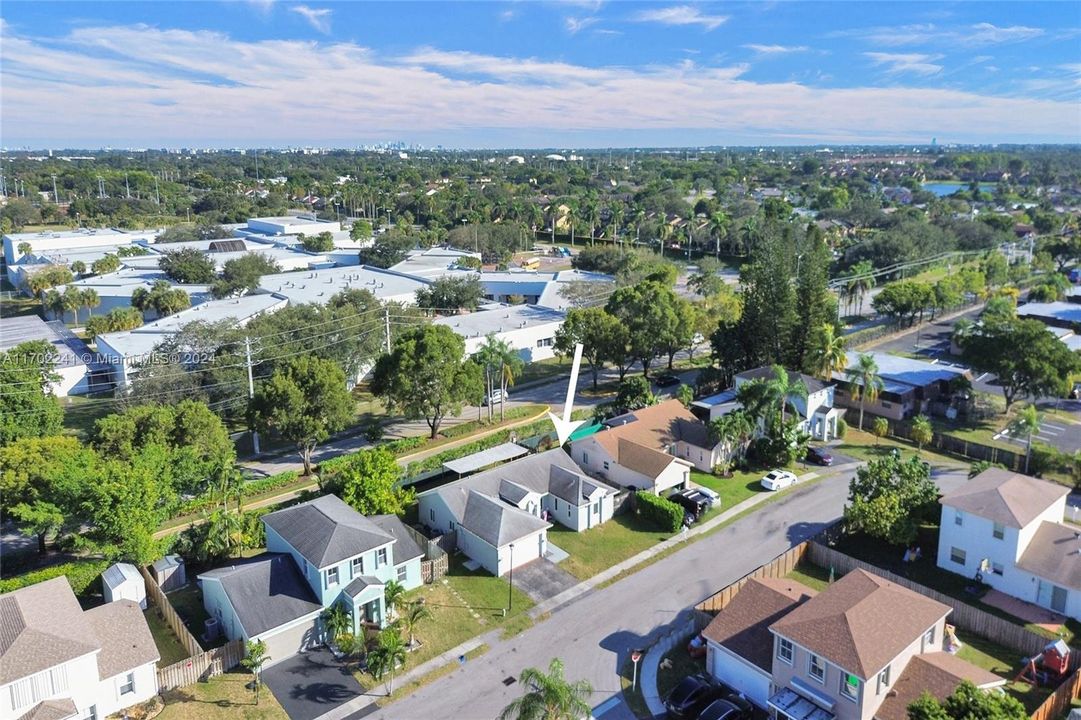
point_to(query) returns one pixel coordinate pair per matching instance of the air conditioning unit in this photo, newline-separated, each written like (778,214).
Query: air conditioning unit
(211,629)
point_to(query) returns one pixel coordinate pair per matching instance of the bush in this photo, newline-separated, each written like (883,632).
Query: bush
(1043,459)
(842,428)
(663,513)
(373,432)
(82,574)
(248,489)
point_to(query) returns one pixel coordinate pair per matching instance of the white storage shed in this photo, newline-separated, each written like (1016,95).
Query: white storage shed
(122,581)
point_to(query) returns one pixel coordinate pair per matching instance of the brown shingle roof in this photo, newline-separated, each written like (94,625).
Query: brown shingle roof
(60,709)
(41,626)
(657,427)
(126,642)
(861,622)
(743,625)
(939,673)
(642,459)
(1005,497)
(1052,554)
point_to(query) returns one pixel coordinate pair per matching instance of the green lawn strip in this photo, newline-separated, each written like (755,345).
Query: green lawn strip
(865,446)
(812,576)
(543,370)
(1002,662)
(416,684)
(165,639)
(601,547)
(733,490)
(225,697)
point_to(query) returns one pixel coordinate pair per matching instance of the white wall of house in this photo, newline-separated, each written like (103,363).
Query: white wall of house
(578,517)
(143,682)
(734,671)
(595,459)
(433,512)
(78,680)
(533,343)
(526,549)
(479,551)
(704,459)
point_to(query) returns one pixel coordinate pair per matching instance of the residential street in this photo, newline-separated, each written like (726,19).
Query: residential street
(594,634)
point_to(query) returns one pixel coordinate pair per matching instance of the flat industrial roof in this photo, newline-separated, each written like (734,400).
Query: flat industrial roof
(25,328)
(511,317)
(484,458)
(897,372)
(318,286)
(1062,311)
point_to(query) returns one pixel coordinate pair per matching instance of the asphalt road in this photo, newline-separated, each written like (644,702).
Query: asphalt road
(594,634)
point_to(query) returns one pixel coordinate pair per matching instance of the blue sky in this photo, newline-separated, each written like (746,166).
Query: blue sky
(537,74)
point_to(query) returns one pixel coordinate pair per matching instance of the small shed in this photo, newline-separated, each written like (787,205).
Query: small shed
(123,582)
(169,573)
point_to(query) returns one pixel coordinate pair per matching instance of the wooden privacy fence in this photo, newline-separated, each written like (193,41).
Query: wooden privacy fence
(432,570)
(1058,704)
(778,567)
(169,613)
(964,616)
(200,667)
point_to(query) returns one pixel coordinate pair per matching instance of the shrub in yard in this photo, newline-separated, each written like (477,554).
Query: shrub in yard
(663,513)
(1044,459)
(82,574)
(842,428)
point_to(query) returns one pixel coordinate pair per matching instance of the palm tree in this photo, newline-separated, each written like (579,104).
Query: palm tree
(549,696)
(91,300)
(1026,424)
(591,216)
(828,352)
(78,267)
(733,430)
(336,621)
(386,656)
(72,300)
(783,389)
(922,431)
(639,216)
(254,660)
(664,232)
(617,221)
(53,302)
(415,612)
(224,533)
(718,224)
(393,596)
(861,281)
(866,384)
(880,428)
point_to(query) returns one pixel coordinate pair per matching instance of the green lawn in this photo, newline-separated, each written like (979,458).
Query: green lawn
(166,640)
(601,547)
(542,370)
(682,665)
(733,490)
(811,575)
(188,603)
(225,697)
(1004,663)
(865,446)
(81,412)
(454,622)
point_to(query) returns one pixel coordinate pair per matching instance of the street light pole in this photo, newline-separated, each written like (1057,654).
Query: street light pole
(510,586)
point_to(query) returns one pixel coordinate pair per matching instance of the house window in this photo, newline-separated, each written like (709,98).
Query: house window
(380,557)
(401,573)
(358,566)
(998,531)
(332,577)
(996,568)
(605,464)
(431,514)
(91,713)
(884,679)
(128,686)
(816,669)
(556,505)
(957,555)
(958,518)
(585,458)
(929,639)
(544,342)
(597,508)
(850,686)
(886,404)
(784,650)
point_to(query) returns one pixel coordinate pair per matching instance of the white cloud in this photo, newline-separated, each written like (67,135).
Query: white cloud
(970,36)
(575,25)
(141,85)
(506,15)
(988,34)
(681,15)
(916,63)
(776,49)
(318,18)
(263,6)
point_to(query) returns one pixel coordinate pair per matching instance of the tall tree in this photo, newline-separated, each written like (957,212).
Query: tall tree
(28,407)
(368,481)
(864,380)
(827,352)
(506,364)
(887,498)
(388,653)
(188,266)
(426,375)
(303,402)
(1026,424)
(765,329)
(549,696)
(815,304)
(597,331)
(648,312)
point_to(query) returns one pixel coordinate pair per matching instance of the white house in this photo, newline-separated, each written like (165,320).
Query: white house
(528,329)
(60,662)
(514,503)
(649,449)
(817,414)
(1008,528)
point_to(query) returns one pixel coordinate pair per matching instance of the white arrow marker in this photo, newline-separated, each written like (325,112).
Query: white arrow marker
(564,425)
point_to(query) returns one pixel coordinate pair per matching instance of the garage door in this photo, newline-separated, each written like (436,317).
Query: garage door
(740,675)
(287,643)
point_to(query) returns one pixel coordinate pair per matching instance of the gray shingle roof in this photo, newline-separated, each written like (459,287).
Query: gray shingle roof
(573,487)
(1052,555)
(1005,497)
(512,492)
(405,547)
(359,583)
(266,591)
(126,642)
(497,523)
(326,531)
(41,626)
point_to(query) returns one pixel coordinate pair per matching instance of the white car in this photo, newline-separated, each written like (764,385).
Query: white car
(778,480)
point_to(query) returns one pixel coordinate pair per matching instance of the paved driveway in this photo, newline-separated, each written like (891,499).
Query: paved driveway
(542,579)
(310,684)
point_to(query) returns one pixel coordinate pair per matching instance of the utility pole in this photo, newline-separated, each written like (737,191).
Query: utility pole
(127,187)
(251,391)
(386,325)
(56,196)
(157,196)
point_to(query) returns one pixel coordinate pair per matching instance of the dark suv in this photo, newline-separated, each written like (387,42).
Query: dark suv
(692,695)
(693,502)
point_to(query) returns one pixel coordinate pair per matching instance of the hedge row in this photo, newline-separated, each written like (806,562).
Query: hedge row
(82,574)
(248,489)
(663,513)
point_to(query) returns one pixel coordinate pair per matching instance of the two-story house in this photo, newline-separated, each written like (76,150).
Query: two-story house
(908,385)
(319,553)
(58,661)
(649,449)
(863,648)
(513,504)
(1008,528)
(818,416)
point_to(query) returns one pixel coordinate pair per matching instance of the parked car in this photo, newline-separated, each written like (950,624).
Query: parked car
(819,456)
(666,380)
(692,695)
(495,397)
(731,707)
(778,479)
(712,495)
(694,503)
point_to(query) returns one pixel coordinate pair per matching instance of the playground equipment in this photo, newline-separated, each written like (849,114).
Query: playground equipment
(1048,668)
